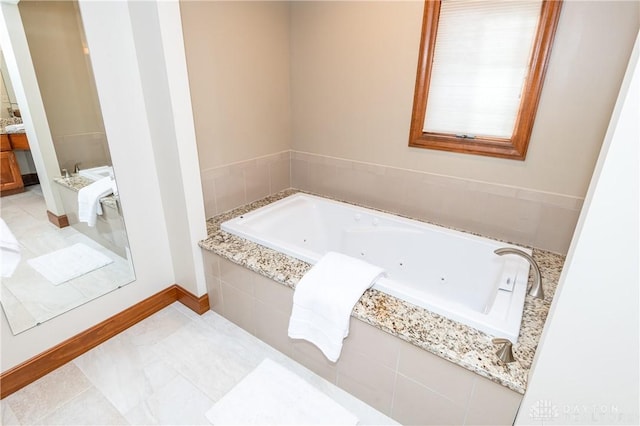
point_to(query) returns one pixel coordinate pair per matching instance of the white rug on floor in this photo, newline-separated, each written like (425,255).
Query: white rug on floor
(68,263)
(273,395)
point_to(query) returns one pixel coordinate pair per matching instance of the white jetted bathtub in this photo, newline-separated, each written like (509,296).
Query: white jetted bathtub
(97,173)
(448,272)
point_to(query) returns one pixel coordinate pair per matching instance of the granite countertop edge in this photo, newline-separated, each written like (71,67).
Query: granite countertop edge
(453,341)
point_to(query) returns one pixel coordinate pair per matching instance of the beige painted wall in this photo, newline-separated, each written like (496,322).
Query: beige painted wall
(353,67)
(337,79)
(238,63)
(66,82)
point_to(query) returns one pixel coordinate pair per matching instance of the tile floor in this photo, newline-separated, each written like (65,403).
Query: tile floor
(27,297)
(168,369)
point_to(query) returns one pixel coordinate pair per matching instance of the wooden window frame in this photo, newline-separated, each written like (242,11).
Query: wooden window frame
(514,147)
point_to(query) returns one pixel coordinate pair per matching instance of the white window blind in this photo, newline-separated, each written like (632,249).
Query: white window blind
(480,63)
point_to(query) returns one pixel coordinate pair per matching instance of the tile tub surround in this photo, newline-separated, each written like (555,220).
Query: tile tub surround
(527,217)
(232,185)
(460,344)
(109,230)
(397,378)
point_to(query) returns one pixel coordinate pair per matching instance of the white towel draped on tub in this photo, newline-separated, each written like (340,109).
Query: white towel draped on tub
(89,200)
(324,298)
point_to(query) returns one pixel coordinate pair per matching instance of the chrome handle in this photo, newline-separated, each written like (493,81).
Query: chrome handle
(505,353)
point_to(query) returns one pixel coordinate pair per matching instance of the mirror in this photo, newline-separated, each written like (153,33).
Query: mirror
(9,108)
(62,236)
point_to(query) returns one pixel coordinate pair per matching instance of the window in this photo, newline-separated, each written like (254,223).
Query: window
(480,74)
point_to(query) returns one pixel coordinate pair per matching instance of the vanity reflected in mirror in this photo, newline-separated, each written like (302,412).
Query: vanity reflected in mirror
(62,232)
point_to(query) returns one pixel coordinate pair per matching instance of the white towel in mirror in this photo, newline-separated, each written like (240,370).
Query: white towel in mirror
(89,200)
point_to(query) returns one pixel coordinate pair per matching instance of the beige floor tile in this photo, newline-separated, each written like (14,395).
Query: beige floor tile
(160,408)
(88,408)
(168,369)
(48,394)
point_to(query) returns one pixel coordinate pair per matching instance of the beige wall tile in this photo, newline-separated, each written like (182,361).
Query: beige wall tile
(279,174)
(211,263)
(371,342)
(311,357)
(492,404)
(351,187)
(238,307)
(367,379)
(342,174)
(232,185)
(362,185)
(517,215)
(299,173)
(275,295)
(272,326)
(556,228)
(256,181)
(237,276)
(229,190)
(461,207)
(558,200)
(439,375)
(492,188)
(214,291)
(423,200)
(387,191)
(511,219)
(208,194)
(395,377)
(414,404)
(322,178)
(502,212)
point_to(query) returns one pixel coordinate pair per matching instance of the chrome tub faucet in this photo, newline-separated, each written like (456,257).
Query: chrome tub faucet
(536,289)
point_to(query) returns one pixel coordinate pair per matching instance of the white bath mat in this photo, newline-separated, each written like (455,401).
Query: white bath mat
(68,263)
(273,395)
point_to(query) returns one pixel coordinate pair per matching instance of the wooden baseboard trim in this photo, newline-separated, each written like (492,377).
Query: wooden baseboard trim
(199,305)
(59,221)
(31,370)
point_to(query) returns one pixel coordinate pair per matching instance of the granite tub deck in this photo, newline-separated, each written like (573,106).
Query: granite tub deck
(455,342)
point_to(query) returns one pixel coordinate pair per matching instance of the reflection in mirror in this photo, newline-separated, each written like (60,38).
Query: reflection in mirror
(48,269)
(7,96)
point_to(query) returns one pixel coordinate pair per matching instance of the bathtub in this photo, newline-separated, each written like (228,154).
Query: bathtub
(451,273)
(97,173)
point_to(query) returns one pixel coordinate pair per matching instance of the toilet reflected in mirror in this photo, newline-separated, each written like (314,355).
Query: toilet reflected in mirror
(62,234)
